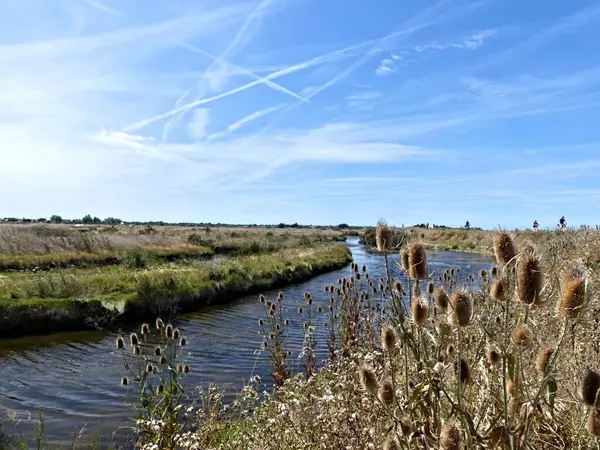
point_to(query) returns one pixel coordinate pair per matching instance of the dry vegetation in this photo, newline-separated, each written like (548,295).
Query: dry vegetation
(423,363)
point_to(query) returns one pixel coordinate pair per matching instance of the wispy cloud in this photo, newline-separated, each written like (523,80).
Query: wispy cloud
(243,121)
(96,4)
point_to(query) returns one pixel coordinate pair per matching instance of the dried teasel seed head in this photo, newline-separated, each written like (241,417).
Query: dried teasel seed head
(419,311)
(460,309)
(186,369)
(159,324)
(494,271)
(124,381)
(160,389)
(543,358)
(529,278)
(145,329)
(430,288)
(443,329)
(593,423)
(386,393)
(441,299)
(463,371)
(398,287)
(451,437)
(120,343)
(417,260)
(169,331)
(504,247)
(133,339)
(522,336)
(183,341)
(163,360)
(493,356)
(497,291)
(404,260)
(389,338)
(157,351)
(383,236)
(136,350)
(450,350)
(590,388)
(513,386)
(261,298)
(261,322)
(179,368)
(417,289)
(573,294)
(176,334)
(368,379)
(149,368)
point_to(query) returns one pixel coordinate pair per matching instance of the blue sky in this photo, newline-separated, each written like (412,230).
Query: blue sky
(301,110)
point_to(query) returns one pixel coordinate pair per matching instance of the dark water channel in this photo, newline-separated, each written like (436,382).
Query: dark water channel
(73,379)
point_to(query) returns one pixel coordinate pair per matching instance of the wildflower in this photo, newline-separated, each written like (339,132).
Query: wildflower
(419,311)
(417,260)
(368,379)
(120,343)
(504,247)
(451,438)
(389,338)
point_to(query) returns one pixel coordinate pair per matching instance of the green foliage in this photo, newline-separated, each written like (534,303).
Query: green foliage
(87,219)
(135,258)
(56,219)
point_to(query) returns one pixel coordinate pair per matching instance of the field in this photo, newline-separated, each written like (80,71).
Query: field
(61,277)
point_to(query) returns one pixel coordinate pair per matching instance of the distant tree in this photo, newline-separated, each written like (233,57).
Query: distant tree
(41,220)
(24,220)
(343,226)
(56,219)
(97,220)
(11,219)
(87,219)
(112,221)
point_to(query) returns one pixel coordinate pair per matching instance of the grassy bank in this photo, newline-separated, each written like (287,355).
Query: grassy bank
(72,299)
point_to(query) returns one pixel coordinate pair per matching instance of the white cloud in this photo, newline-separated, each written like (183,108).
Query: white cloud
(199,123)
(243,121)
(386,67)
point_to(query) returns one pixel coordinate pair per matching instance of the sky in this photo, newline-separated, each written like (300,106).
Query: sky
(308,111)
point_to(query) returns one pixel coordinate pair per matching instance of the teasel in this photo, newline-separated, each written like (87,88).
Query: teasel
(383,236)
(261,298)
(494,357)
(404,260)
(590,388)
(163,360)
(521,336)
(542,360)
(160,389)
(593,423)
(419,311)
(460,309)
(159,323)
(386,393)
(186,369)
(145,329)
(443,329)
(450,350)
(573,294)
(504,247)
(368,379)
(441,299)
(497,291)
(483,274)
(157,351)
(389,338)
(529,278)
(124,381)
(430,288)
(494,271)
(417,260)
(120,343)
(133,339)
(451,438)
(176,334)
(463,371)
(169,331)
(136,350)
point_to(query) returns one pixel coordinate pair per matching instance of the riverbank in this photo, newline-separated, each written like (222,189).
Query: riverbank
(107,297)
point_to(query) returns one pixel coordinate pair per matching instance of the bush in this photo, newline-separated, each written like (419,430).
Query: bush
(135,259)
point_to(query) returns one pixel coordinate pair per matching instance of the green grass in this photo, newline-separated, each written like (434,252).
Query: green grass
(69,299)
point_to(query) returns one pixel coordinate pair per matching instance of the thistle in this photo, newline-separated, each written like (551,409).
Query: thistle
(461,309)
(451,438)
(383,236)
(573,295)
(417,260)
(419,311)
(504,247)
(368,379)
(529,278)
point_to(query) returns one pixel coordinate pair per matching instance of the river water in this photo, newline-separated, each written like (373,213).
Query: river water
(74,379)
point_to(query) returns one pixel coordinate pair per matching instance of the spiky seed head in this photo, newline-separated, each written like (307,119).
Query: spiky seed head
(287,322)
(261,298)
(504,247)
(590,388)
(145,329)
(494,271)
(483,274)
(179,368)
(529,278)
(386,393)
(461,309)
(169,331)
(383,236)
(543,357)
(450,350)
(136,350)
(391,443)
(593,423)
(163,360)
(120,343)
(368,379)
(159,324)
(389,338)
(398,287)
(124,381)
(498,320)
(463,371)
(186,369)
(157,351)
(521,336)
(494,357)
(441,299)
(497,290)
(280,297)
(419,311)
(160,389)
(261,322)
(133,339)
(527,247)
(573,294)
(299,309)
(183,341)
(417,259)
(430,288)
(443,329)
(451,438)
(404,260)
(176,334)
(154,369)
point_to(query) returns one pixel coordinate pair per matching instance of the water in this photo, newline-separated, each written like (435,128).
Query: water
(73,379)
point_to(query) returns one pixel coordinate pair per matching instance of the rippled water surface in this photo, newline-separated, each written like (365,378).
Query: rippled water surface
(74,378)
